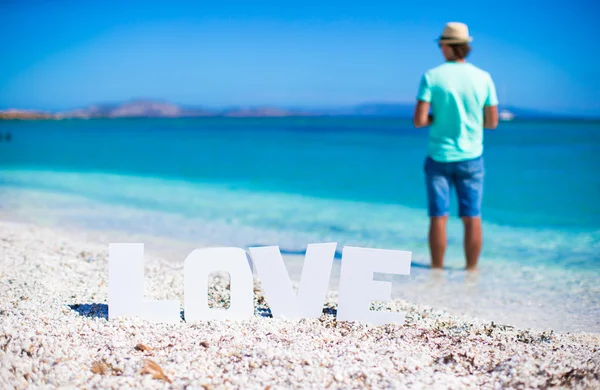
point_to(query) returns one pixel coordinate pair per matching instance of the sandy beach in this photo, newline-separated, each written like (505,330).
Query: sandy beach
(54,332)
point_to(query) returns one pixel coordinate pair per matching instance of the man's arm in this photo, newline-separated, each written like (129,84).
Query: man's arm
(490,117)
(421,117)
(490,108)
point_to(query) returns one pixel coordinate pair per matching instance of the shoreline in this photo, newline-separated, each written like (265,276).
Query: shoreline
(269,113)
(525,295)
(54,332)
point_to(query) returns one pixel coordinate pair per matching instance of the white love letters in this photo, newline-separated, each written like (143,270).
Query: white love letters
(357,287)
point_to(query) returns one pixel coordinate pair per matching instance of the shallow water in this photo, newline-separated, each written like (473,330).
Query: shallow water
(356,182)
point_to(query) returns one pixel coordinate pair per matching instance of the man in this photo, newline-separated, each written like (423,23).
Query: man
(462,99)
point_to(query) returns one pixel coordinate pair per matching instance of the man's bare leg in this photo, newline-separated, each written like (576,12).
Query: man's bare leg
(473,241)
(437,241)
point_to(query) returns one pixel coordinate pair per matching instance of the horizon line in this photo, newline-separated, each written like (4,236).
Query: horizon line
(305,108)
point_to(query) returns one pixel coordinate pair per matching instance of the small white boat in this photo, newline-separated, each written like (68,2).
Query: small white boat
(506,115)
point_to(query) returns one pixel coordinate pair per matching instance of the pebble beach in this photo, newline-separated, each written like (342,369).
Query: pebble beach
(54,333)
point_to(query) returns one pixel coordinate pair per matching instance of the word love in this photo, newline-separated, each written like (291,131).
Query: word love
(357,289)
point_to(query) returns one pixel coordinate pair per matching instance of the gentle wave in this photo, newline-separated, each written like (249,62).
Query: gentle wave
(292,220)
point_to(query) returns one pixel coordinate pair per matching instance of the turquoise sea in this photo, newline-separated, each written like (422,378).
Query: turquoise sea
(295,181)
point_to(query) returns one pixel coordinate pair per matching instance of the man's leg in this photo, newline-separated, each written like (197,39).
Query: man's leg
(437,240)
(438,196)
(473,241)
(469,188)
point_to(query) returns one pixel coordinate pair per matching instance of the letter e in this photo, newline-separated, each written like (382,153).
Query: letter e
(358,289)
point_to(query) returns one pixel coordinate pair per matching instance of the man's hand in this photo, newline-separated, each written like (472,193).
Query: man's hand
(421,117)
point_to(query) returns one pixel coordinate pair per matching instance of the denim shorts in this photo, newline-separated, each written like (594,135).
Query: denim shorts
(466,176)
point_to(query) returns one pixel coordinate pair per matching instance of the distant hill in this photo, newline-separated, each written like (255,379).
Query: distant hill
(159,109)
(401,110)
(25,114)
(150,109)
(134,109)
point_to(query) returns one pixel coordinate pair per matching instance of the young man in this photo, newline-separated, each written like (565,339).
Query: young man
(462,99)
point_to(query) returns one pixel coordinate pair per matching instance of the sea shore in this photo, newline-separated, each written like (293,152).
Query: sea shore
(54,333)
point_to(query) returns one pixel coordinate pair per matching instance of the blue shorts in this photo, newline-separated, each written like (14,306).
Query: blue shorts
(465,176)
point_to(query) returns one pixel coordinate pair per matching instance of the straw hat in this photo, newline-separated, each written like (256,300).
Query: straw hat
(455,32)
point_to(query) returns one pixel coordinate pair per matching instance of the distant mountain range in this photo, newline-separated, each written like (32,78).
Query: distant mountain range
(159,109)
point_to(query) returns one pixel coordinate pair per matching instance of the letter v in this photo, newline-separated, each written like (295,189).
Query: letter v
(278,286)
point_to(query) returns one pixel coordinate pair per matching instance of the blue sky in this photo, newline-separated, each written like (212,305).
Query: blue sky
(66,54)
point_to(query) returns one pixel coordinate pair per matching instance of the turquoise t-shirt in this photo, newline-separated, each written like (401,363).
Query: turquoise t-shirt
(457,91)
